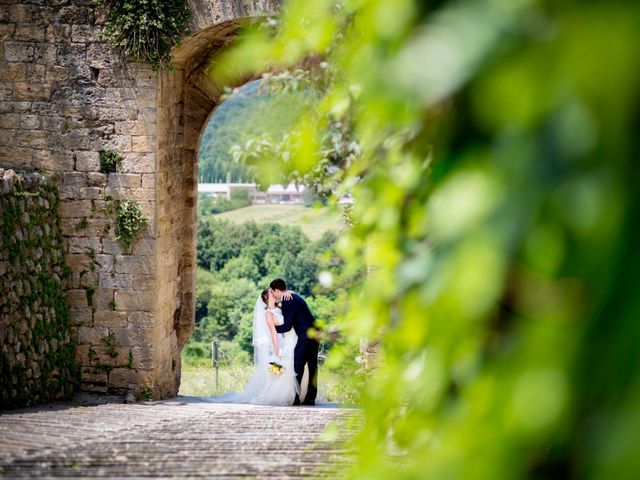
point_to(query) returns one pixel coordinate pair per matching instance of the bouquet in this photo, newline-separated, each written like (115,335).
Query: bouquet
(275,368)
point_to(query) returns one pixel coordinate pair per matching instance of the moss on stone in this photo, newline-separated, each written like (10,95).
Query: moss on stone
(37,353)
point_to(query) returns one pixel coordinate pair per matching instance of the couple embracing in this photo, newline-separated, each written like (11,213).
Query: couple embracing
(279,361)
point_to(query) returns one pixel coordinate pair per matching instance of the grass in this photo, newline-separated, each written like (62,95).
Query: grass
(313,221)
(199,381)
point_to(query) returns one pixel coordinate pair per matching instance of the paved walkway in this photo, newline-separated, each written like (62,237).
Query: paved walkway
(180,438)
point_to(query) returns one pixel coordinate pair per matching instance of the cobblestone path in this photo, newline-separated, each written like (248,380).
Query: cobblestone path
(180,438)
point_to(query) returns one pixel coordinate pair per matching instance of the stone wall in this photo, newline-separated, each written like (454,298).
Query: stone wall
(66,95)
(37,344)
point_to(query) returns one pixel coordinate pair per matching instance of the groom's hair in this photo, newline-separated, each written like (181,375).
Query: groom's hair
(278,284)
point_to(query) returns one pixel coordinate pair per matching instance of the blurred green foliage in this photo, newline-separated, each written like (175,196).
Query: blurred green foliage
(496,211)
(237,120)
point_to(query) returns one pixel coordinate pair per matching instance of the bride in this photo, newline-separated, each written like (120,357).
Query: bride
(269,385)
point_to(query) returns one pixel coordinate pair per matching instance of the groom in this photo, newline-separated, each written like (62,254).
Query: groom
(296,314)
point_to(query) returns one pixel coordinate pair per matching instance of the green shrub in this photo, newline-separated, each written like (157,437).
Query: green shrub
(110,160)
(146,30)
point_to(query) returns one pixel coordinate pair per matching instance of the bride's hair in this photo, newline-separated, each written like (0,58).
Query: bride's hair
(265,296)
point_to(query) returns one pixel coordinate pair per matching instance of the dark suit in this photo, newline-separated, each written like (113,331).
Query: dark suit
(298,316)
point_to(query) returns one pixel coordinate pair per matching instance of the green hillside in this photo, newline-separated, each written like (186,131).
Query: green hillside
(313,221)
(247,114)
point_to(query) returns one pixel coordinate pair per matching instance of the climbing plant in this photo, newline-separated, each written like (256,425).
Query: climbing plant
(130,222)
(110,160)
(146,30)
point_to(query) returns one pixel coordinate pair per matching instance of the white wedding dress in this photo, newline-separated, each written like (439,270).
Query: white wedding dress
(264,387)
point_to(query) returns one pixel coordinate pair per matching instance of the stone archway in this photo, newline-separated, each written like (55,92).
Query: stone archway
(187,97)
(66,96)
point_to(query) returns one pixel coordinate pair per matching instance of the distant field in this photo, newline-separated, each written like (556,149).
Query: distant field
(313,221)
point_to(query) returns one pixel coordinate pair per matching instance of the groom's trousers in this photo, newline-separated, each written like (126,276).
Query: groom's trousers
(306,353)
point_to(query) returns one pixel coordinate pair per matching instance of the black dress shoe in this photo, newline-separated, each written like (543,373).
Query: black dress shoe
(296,402)
(309,404)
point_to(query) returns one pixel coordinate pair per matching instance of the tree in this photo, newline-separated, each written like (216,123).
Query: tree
(240,267)
(229,302)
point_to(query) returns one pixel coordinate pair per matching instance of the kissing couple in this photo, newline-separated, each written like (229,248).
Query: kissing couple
(281,350)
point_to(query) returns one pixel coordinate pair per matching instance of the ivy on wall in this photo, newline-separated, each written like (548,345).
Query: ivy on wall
(37,350)
(130,222)
(146,30)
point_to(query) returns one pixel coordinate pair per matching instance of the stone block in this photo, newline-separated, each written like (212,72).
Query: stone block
(139,163)
(121,143)
(131,127)
(144,282)
(10,120)
(91,193)
(45,53)
(115,280)
(80,14)
(27,91)
(74,179)
(112,246)
(27,32)
(121,335)
(110,318)
(114,113)
(6,29)
(95,179)
(89,278)
(105,262)
(53,161)
(21,13)
(36,73)
(58,33)
(146,97)
(33,138)
(84,244)
(85,33)
(92,335)
(146,77)
(144,246)
(92,387)
(103,298)
(122,378)
(101,55)
(140,335)
(82,354)
(91,375)
(19,52)
(134,300)
(87,161)
(81,316)
(141,319)
(148,181)
(77,139)
(29,122)
(135,264)
(111,356)
(78,262)
(142,358)
(53,123)
(143,143)
(7,137)
(13,72)
(127,180)
(75,208)
(77,298)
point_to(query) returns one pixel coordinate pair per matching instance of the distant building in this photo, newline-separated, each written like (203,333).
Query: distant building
(291,194)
